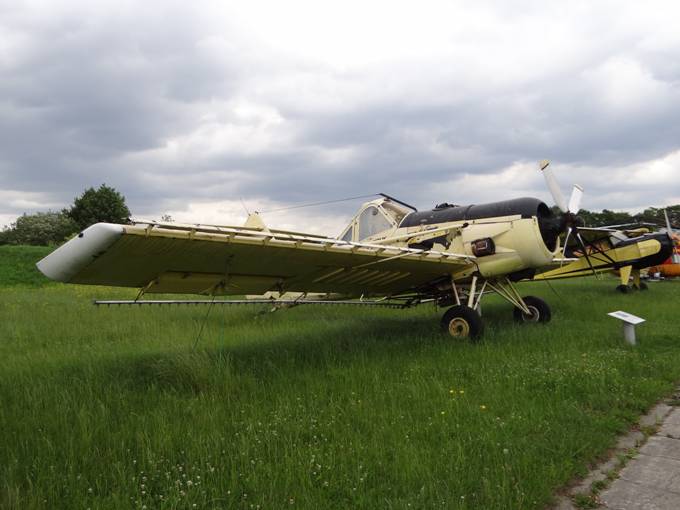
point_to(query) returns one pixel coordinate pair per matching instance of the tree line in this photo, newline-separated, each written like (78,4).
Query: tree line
(108,205)
(55,227)
(654,215)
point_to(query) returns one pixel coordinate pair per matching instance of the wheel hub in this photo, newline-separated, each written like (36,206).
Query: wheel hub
(533,316)
(459,327)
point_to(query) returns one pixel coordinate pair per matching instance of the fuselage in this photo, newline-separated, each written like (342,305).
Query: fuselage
(664,249)
(512,237)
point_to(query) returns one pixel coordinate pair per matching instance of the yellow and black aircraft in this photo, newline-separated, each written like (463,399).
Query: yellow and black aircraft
(607,249)
(594,250)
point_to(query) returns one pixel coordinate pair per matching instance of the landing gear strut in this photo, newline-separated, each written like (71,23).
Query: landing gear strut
(626,273)
(464,320)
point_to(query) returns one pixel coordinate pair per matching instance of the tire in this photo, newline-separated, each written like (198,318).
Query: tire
(643,286)
(539,308)
(623,289)
(462,322)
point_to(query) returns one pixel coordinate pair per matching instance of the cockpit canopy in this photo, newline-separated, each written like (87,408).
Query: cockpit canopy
(373,218)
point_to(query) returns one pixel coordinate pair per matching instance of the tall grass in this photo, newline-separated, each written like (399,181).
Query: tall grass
(316,407)
(17,265)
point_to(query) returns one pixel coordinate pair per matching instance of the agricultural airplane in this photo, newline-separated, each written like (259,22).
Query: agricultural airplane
(390,252)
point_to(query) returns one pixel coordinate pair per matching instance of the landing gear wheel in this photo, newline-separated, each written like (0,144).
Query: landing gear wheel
(462,322)
(540,311)
(643,286)
(623,289)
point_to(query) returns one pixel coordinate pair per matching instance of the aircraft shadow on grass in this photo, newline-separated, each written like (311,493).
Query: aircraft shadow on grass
(335,343)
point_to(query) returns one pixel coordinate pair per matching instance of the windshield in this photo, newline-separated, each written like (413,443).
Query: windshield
(371,222)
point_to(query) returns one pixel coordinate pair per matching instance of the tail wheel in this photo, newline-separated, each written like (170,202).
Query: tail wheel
(643,286)
(623,289)
(462,322)
(540,311)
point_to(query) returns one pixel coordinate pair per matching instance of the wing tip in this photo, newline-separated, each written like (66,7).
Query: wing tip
(70,258)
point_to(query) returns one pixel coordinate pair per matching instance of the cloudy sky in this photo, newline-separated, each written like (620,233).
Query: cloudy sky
(189,108)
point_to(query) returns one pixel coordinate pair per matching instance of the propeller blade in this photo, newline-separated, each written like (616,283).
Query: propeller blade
(669,228)
(575,199)
(553,186)
(585,251)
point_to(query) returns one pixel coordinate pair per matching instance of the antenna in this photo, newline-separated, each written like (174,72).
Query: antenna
(313,204)
(244,206)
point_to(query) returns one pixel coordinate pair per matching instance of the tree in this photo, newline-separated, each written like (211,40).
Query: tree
(6,235)
(656,215)
(607,217)
(41,228)
(96,205)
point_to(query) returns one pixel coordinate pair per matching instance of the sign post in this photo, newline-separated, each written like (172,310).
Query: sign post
(629,322)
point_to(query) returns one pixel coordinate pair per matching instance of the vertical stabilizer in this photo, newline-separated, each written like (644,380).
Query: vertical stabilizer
(255,222)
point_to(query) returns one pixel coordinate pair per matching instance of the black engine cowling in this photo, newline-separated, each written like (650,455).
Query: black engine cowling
(550,225)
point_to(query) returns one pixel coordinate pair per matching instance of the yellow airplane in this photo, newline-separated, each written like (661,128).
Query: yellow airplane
(389,255)
(607,249)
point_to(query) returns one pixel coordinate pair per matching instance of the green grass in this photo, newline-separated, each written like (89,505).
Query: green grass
(17,265)
(317,407)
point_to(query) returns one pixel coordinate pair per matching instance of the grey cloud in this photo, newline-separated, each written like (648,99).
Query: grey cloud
(82,96)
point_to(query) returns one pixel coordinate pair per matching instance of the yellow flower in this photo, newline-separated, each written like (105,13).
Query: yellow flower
(443,412)
(482,407)
(452,391)
(461,391)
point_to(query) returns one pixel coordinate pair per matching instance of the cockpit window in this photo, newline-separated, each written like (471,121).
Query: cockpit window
(348,235)
(371,222)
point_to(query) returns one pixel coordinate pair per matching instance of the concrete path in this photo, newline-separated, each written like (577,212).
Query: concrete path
(649,480)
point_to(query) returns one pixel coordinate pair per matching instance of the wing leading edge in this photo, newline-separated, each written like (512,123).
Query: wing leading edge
(214,260)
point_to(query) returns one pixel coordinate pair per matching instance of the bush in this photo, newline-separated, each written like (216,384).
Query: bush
(43,228)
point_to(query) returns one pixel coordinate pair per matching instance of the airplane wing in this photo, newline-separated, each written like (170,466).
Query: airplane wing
(212,260)
(603,231)
(592,234)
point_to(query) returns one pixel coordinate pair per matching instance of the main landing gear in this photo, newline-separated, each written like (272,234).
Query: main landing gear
(464,319)
(625,274)
(461,321)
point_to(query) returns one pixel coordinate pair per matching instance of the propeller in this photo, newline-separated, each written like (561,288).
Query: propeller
(553,185)
(569,223)
(574,204)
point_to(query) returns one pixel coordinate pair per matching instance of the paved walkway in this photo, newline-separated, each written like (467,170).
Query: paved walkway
(648,481)
(651,480)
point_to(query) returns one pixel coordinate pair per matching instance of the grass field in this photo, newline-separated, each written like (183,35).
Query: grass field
(17,265)
(316,407)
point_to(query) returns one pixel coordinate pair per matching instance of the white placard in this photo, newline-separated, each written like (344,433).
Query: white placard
(627,317)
